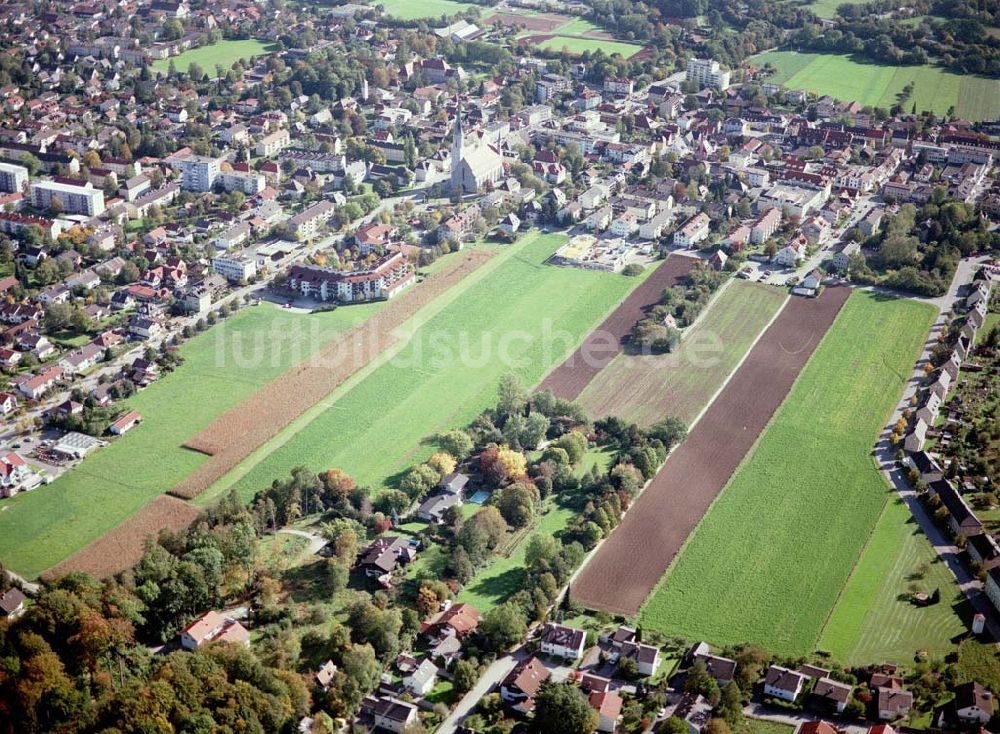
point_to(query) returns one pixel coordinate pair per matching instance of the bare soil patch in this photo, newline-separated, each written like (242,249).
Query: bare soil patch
(631,561)
(544,22)
(608,340)
(235,434)
(123,547)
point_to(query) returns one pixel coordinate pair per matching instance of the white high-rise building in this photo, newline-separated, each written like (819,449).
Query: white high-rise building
(74,198)
(198,172)
(13,178)
(707,73)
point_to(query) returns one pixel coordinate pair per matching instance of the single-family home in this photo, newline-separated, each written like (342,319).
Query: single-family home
(213,627)
(831,695)
(8,403)
(783,683)
(562,641)
(973,703)
(893,703)
(324,676)
(390,714)
(421,680)
(608,706)
(15,474)
(457,620)
(12,603)
(385,554)
(647,657)
(720,668)
(520,686)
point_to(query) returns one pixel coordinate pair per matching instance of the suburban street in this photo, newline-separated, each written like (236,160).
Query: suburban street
(885,455)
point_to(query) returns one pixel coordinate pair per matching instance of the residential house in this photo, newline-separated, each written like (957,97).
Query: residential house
(893,703)
(34,386)
(15,475)
(12,603)
(647,657)
(519,688)
(765,226)
(984,550)
(973,704)
(385,554)
(388,713)
(693,231)
(608,706)
(563,642)
(324,676)
(783,683)
(421,680)
(720,668)
(213,627)
(831,695)
(8,402)
(458,620)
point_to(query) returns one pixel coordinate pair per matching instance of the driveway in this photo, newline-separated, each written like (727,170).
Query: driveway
(491,678)
(316,541)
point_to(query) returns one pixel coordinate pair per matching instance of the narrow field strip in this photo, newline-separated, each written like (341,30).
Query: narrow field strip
(646,388)
(123,547)
(632,560)
(236,434)
(769,559)
(607,341)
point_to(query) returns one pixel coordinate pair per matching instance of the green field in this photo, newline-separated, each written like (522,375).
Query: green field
(874,620)
(41,528)
(768,560)
(375,426)
(413,9)
(828,8)
(641,387)
(580,45)
(222,53)
(935,89)
(221,368)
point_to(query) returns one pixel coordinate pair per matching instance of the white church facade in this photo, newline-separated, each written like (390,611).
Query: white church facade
(473,166)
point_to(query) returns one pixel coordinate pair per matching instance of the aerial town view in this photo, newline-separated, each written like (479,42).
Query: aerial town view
(499,366)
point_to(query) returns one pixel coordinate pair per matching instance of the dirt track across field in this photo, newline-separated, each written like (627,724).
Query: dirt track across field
(606,342)
(631,561)
(123,547)
(235,434)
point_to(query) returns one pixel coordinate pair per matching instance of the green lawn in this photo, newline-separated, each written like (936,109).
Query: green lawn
(992,321)
(578,45)
(874,620)
(977,660)
(223,53)
(413,9)
(769,558)
(760,726)
(828,8)
(41,528)
(515,314)
(643,388)
(975,98)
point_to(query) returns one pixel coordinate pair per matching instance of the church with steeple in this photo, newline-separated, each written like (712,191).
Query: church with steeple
(474,165)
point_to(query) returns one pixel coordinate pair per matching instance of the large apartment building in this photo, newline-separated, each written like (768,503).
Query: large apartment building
(13,177)
(386,277)
(199,172)
(75,198)
(707,73)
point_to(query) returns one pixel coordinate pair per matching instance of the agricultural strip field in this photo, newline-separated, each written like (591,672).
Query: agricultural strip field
(520,316)
(634,557)
(42,527)
(645,388)
(233,436)
(874,619)
(123,547)
(222,53)
(770,558)
(974,98)
(606,341)
(581,44)
(414,9)
(539,22)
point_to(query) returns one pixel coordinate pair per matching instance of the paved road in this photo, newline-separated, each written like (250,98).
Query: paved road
(492,677)
(316,541)
(885,455)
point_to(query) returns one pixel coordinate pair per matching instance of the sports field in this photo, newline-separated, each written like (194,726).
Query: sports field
(974,98)
(40,528)
(581,44)
(874,619)
(374,426)
(645,388)
(222,53)
(769,558)
(413,9)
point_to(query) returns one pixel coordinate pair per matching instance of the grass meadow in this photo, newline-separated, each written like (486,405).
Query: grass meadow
(413,9)
(641,388)
(40,528)
(974,98)
(376,425)
(874,619)
(582,44)
(768,560)
(222,53)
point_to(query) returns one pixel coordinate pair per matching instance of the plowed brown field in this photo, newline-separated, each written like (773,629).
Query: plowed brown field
(541,22)
(123,547)
(631,561)
(605,342)
(235,434)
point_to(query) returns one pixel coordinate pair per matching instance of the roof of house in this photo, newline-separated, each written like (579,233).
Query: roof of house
(10,600)
(832,690)
(642,653)
(894,700)
(527,676)
(424,672)
(606,703)
(972,694)
(213,627)
(325,673)
(557,634)
(783,678)
(462,618)
(817,727)
(718,667)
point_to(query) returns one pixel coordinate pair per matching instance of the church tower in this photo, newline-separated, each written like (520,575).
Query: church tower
(457,151)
